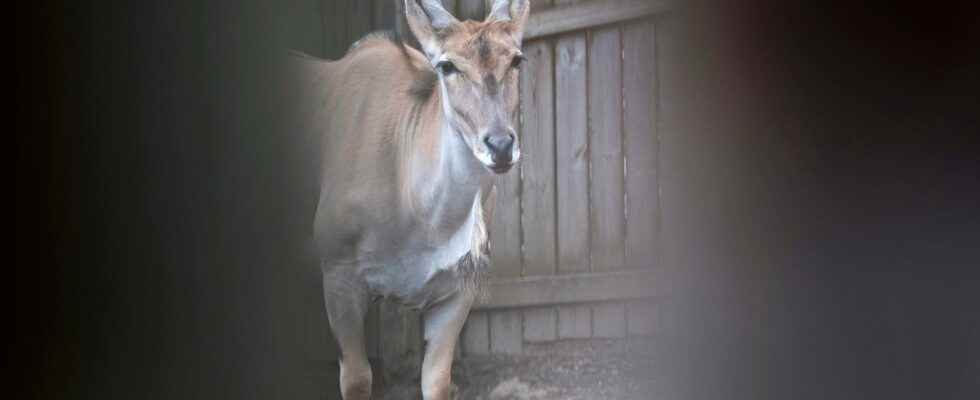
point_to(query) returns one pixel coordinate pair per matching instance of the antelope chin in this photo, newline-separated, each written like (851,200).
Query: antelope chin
(500,168)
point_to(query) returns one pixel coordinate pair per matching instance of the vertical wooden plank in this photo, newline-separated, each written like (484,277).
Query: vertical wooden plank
(572,174)
(571,154)
(540,324)
(606,193)
(538,217)
(574,322)
(641,144)
(537,178)
(476,334)
(609,320)
(678,154)
(505,332)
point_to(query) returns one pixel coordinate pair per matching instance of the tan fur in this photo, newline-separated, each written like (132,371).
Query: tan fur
(407,174)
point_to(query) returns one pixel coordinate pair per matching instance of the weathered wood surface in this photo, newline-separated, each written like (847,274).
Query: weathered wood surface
(568,18)
(537,168)
(609,320)
(476,334)
(572,162)
(540,324)
(606,195)
(640,143)
(538,178)
(606,216)
(569,289)
(574,322)
(641,149)
(506,332)
(571,154)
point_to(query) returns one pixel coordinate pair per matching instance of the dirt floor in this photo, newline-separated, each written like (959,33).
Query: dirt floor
(558,371)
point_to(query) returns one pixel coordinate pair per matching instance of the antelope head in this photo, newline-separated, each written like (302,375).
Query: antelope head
(477,68)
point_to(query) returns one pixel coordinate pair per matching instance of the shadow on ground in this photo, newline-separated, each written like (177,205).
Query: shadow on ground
(565,370)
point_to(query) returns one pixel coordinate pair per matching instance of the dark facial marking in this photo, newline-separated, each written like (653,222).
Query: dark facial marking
(490,83)
(483,48)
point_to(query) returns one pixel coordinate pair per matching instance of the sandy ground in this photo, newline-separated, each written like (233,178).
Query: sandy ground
(563,370)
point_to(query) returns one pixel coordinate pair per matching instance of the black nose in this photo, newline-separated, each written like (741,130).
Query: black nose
(500,146)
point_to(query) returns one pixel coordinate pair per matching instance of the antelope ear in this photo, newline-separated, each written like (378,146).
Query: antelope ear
(515,11)
(424,20)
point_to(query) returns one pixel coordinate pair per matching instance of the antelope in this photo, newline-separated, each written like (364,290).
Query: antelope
(411,143)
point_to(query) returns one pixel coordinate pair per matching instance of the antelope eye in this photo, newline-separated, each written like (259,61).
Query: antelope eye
(516,62)
(447,67)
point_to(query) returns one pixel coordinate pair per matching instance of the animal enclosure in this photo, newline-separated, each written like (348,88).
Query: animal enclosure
(577,227)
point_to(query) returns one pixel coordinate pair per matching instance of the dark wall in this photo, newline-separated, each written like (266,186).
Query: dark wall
(827,242)
(160,214)
(828,177)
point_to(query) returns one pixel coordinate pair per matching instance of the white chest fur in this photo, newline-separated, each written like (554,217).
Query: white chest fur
(424,272)
(460,242)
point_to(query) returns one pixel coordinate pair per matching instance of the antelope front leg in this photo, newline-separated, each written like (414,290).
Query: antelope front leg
(346,298)
(442,325)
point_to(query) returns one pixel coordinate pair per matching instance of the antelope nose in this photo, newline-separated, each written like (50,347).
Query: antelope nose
(500,146)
